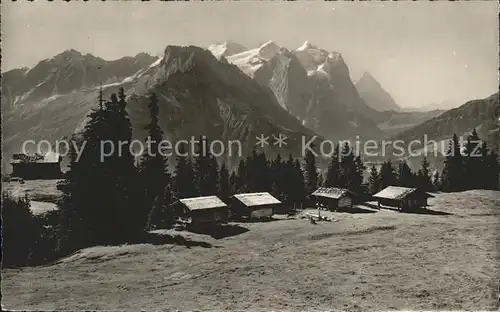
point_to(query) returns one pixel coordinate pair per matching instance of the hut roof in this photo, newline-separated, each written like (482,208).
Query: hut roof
(36,158)
(398,192)
(331,192)
(200,203)
(257,199)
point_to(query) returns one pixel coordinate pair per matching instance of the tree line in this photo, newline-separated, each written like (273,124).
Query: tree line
(471,166)
(117,199)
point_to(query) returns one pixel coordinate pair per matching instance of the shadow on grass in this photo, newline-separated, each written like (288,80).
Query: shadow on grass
(162,239)
(258,220)
(430,212)
(218,231)
(424,211)
(355,209)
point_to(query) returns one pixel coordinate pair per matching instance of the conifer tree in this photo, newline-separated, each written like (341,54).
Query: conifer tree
(84,182)
(262,174)
(154,166)
(183,185)
(436,181)
(351,170)
(310,173)
(405,175)
(493,169)
(424,179)
(278,179)
(161,215)
(234,183)
(19,231)
(289,180)
(453,172)
(224,182)
(473,159)
(298,188)
(333,172)
(387,175)
(120,166)
(101,190)
(242,179)
(359,171)
(374,180)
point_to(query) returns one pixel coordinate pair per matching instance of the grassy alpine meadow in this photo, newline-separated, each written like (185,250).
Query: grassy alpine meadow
(373,259)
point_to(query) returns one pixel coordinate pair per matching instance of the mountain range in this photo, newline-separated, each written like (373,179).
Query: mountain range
(226,92)
(315,86)
(199,95)
(481,114)
(374,94)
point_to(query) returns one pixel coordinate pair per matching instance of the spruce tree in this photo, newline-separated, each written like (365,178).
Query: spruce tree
(154,166)
(473,159)
(387,175)
(183,185)
(161,215)
(405,175)
(20,231)
(351,170)
(357,182)
(289,180)
(333,172)
(234,183)
(310,173)
(299,185)
(262,178)
(374,180)
(120,166)
(278,179)
(224,183)
(83,212)
(242,180)
(453,172)
(424,179)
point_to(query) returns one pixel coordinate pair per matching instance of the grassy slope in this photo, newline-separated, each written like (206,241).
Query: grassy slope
(368,261)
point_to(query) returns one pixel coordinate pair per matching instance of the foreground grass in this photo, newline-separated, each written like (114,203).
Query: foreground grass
(362,261)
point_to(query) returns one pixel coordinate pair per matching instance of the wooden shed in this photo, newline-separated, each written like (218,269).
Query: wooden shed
(33,167)
(253,205)
(404,198)
(333,198)
(201,210)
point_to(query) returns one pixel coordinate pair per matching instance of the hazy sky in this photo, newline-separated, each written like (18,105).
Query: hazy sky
(420,52)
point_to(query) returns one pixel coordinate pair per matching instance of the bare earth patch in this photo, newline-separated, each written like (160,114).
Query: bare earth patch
(359,261)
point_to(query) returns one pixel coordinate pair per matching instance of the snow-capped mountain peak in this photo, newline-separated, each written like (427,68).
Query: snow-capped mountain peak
(250,61)
(306,46)
(268,50)
(226,48)
(312,58)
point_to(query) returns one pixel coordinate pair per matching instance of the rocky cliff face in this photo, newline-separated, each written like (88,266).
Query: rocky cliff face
(374,95)
(313,85)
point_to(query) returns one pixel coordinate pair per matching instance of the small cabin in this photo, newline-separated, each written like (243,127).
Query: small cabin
(404,198)
(253,205)
(201,210)
(34,167)
(333,198)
